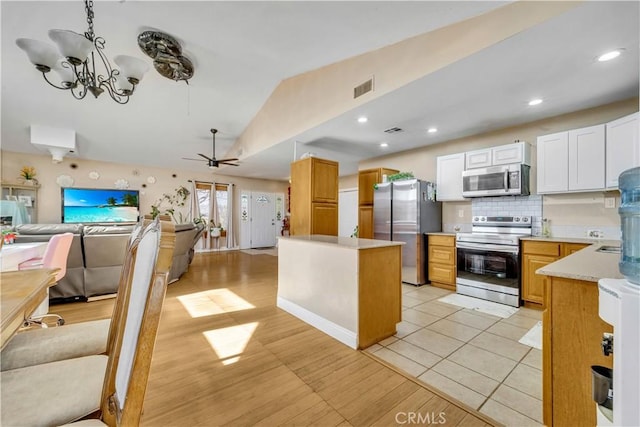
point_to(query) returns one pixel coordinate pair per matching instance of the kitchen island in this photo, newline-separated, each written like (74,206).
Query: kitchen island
(348,288)
(572,332)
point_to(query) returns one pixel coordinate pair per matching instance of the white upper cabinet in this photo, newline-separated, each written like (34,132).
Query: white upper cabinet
(623,147)
(553,157)
(518,152)
(449,177)
(478,159)
(586,154)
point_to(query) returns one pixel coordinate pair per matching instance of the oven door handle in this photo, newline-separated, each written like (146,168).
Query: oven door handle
(487,247)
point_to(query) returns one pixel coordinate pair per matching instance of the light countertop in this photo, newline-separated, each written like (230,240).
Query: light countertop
(574,240)
(345,242)
(587,264)
(440,233)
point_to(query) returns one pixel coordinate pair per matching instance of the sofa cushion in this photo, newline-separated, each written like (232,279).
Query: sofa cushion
(104,251)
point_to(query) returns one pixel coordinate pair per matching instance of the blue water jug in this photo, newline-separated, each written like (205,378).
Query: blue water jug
(629,184)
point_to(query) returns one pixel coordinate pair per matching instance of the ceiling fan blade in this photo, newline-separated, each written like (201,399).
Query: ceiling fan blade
(229,164)
(228,160)
(197,160)
(206,157)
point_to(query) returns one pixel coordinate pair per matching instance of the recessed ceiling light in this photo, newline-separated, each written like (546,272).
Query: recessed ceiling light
(432,130)
(362,119)
(609,55)
(535,101)
(384,145)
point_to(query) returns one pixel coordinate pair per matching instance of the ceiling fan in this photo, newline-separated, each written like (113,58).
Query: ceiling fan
(212,162)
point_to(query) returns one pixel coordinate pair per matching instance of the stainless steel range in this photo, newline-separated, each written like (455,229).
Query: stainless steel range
(488,258)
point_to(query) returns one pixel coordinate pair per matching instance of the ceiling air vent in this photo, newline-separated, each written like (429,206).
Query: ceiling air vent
(365,87)
(393,130)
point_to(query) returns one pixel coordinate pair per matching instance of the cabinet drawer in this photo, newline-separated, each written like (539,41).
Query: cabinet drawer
(442,254)
(541,248)
(442,240)
(442,273)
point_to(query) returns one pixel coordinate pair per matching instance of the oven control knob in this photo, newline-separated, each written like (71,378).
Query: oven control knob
(516,218)
(483,218)
(525,219)
(475,218)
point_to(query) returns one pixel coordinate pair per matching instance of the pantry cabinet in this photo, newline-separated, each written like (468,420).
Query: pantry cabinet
(623,147)
(314,197)
(449,170)
(367,179)
(442,261)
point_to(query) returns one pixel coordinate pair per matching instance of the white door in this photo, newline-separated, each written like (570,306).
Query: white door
(263,221)
(347,211)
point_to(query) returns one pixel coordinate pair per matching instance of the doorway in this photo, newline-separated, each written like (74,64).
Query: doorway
(261,219)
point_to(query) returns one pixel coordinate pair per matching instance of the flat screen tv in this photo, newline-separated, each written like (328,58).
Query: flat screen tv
(95,205)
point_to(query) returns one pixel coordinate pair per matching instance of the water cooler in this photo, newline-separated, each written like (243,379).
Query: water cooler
(617,393)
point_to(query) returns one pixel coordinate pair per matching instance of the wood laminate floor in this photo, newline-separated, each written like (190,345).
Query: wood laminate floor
(226,355)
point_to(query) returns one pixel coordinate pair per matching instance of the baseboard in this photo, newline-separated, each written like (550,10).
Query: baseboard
(343,335)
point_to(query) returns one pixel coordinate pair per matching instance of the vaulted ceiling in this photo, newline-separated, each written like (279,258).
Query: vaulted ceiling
(242,52)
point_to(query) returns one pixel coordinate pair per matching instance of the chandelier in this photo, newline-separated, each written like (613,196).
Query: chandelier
(77,62)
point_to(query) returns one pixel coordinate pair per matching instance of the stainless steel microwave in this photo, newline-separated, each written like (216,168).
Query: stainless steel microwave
(504,180)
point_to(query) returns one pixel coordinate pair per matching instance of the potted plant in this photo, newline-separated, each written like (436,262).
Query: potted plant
(168,202)
(28,175)
(216,229)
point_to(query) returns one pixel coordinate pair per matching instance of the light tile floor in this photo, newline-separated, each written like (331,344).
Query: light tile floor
(471,356)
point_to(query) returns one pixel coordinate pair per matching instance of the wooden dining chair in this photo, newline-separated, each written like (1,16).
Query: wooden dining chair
(61,392)
(36,346)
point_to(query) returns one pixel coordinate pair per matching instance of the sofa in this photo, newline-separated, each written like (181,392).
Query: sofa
(97,254)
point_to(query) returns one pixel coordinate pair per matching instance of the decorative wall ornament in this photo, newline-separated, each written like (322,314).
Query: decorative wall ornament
(64,181)
(94,175)
(166,53)
(121,184)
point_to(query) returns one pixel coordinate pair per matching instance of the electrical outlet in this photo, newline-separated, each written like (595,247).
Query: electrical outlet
(609,202)
(595,234)
(460,213)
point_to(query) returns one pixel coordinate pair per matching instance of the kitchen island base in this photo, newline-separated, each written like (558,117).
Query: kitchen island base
(348,288)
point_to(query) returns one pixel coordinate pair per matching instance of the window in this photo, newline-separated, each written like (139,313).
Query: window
(203,191)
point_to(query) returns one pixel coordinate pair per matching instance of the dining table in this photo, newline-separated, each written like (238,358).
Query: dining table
(21,292)
(11,255)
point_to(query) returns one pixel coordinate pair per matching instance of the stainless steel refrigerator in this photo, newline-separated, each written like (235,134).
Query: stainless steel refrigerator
(403,211)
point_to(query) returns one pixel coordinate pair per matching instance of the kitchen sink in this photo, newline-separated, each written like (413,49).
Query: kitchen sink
(609,249)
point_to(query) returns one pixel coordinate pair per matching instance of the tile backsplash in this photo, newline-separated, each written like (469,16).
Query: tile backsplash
(511,206)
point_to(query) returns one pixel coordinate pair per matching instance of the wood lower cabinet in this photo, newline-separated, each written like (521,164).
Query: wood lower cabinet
(324,218)
(535,255)
(367,178)
(571,335)
(365,222)
(533,284)
(442,261)
(314,197)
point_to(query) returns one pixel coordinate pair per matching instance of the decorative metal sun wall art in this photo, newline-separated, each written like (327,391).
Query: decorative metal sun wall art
(166,53)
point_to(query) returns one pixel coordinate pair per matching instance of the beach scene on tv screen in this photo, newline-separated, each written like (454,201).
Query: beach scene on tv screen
(93,205)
